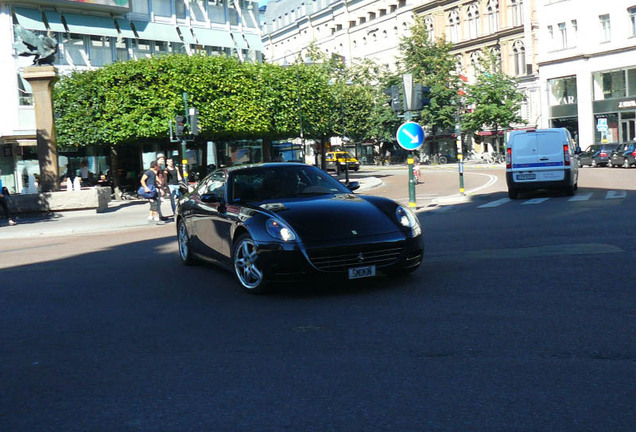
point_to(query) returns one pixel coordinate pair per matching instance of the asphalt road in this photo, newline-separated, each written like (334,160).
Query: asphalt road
(521,318)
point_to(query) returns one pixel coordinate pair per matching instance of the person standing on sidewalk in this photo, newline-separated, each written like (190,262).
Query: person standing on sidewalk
(3,202)
(149,182)
(161,182)
(173,177)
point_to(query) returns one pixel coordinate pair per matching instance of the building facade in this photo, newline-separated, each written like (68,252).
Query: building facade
(93,34)
(587,68)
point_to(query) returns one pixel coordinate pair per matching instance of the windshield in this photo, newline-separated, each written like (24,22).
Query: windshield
(275,182)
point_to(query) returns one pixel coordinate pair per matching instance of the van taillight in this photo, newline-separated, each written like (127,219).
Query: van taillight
(566,154)
(508,157)
(634,153)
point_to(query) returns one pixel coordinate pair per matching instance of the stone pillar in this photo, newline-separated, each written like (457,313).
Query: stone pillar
(42,79)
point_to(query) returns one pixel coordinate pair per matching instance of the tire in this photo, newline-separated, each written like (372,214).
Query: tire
(185,252)
(442,160)
(609,164)
(569,191)
(626,163)
(245,263)
(594,164)
(513,193)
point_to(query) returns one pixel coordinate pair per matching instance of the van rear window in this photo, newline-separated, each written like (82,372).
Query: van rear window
(524,142)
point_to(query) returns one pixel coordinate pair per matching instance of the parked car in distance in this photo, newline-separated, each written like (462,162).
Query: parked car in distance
(289,221)
(624,155)
(602,158)
(336,160)
(586,157)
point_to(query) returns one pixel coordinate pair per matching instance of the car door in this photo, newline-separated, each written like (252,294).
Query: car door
(209,208)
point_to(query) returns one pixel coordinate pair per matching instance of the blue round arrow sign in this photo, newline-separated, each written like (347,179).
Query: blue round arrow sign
(410,136)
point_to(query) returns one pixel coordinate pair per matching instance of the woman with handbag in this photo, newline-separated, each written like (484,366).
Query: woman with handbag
(149,185)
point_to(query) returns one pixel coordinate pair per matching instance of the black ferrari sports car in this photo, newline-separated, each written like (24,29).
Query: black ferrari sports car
(276,222)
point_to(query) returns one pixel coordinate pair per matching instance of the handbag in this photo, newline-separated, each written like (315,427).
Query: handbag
(148,195)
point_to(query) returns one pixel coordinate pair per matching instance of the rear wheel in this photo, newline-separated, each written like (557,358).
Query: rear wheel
(609,164)
(184,243)
(626,163)
(594,164)
(513,193)
(569,191)
(246,265)
(442,160)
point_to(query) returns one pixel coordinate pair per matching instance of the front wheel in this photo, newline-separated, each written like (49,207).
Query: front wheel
(246,265)
(594,164)
(442,160)
(183,239)
(626,163)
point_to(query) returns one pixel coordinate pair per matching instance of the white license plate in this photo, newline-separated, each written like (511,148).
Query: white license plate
(526,176)
(361,272)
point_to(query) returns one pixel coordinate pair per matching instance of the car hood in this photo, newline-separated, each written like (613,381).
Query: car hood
(341,216)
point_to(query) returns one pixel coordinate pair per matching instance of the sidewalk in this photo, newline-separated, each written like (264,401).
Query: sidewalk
(119,216)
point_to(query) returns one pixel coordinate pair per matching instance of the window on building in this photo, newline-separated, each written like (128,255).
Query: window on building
(550,33)
(453,26)
(100,51)
(609,85)
(516,12)
(563,35)
(392,8)
(519,54)
(632,20)
(362,20)
(140,7)
(197,10)
(475,62)
(338,27)
(141,49)
(428,25)
(472,19)
(631,82)
(161,48)
(75,49)
(371,16)
(352,24)
(25,92)
(606,33)
(382,12)
(492,12)
(162,8)
(495,52)
(233,15)
(121,50)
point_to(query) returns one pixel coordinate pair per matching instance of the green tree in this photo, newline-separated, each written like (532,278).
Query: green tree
(433,65)
(495,100)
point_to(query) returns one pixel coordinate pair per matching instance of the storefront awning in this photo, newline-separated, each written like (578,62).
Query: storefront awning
(55,21)
(156,32)
(254,41)
(214,37)
(30,19)
(90,25)
(187,35)
(239,41)
(126,30)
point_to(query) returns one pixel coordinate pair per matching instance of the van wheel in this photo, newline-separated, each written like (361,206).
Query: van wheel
(512,194)
(594,164)
(569,191)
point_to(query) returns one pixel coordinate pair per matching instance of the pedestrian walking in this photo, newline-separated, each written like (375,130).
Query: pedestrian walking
(173,178)
(4,195)
(161,183)
(149,183)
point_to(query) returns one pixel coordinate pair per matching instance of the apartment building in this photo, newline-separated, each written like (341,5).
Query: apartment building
(587,68)
(96,33)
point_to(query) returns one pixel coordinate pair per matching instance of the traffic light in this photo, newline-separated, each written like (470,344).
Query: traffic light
(180,126)
(422,95)
(396,103)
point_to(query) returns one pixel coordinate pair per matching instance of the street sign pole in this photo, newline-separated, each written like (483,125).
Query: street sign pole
(410,136)
(460,157)
(184,159)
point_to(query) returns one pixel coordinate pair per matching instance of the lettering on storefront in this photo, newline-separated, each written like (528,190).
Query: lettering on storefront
(627,104)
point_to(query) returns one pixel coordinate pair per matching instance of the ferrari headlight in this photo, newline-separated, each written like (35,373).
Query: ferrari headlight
(407,219)
(279,230)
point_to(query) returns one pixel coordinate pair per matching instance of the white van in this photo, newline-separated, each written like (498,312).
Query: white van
(541,159)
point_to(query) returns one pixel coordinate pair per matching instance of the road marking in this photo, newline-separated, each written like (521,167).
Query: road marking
(534,201)
(615,194)
(544,251)
(495,203)
(581,197)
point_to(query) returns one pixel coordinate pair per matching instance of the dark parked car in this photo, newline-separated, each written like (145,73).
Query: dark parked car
(586,157)
(623,156)
(603,155)
(290,221)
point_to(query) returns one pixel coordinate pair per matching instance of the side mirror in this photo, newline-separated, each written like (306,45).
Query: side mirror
(353,185)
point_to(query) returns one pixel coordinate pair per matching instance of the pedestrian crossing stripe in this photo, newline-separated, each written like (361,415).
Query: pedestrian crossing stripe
(613,194)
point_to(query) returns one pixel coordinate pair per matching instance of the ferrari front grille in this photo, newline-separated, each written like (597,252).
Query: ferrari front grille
(337,260)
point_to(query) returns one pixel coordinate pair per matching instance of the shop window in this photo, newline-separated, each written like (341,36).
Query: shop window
(562,91)
(609,85)
(141,49)
(631,82)
(121,50)
(611,134)
(100,50)
(75,49)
